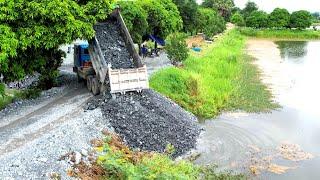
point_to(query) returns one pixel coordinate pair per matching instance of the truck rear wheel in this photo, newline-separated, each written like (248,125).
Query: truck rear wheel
(89,83)
(95,86)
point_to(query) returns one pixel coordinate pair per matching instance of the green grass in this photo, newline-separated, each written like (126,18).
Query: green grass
(220,78)
(281,34)
(11,95)
(8,98)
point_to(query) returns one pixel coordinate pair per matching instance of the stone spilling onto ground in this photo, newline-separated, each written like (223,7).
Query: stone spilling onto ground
(149,121)
(113,45)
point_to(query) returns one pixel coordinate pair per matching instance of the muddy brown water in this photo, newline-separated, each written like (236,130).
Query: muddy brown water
(235,141)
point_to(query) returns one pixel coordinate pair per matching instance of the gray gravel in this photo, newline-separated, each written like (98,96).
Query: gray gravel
(149,121)
(40,158)
(65,80)
(112,45)
(28,81)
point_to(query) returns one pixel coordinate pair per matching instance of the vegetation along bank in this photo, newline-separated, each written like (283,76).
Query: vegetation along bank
(217,79)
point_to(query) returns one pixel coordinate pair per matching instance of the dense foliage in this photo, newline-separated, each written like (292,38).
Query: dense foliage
(238,19)
(224,7)
(257,19)
(300,19)
(209,22)
(188,11)
(163,17)
(176,48)
(135,18)
(32,31)
(279,18)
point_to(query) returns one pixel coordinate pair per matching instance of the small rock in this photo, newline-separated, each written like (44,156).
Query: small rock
(78,158)
(44,160)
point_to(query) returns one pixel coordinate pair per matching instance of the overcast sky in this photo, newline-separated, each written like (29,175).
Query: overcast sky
(291,5)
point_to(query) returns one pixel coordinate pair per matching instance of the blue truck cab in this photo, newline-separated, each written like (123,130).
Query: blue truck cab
(81,55)
(82,62)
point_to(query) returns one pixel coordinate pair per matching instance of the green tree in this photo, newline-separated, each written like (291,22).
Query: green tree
(209,22)
(316,16)
(177,48)
(224,7)
(238,20)
(188,11)
(279,18)
(163,17)
(249,8)
(135,18)
(257,19)
(32,30)
(300,19)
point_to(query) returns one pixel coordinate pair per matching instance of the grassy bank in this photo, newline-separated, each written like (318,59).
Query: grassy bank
(220,78)
(281,34)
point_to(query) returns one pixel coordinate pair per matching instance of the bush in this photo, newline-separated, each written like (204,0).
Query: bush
(29,93)
(300,19)
(279,18)
(257,19)
(177,48)
(238,20)
(2,89)
(209,22)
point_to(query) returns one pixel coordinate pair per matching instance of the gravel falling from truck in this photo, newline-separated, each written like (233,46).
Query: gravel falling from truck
(147,120)
(112,45)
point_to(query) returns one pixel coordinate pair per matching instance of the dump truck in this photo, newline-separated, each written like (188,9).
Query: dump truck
(94,64)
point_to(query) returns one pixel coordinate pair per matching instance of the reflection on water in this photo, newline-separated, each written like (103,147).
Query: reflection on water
(292,49)
(230,139)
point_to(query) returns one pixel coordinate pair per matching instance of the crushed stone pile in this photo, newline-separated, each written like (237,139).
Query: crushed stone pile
(113,45)
(149,121)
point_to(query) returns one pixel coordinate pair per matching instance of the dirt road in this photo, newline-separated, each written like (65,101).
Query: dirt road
(35,133)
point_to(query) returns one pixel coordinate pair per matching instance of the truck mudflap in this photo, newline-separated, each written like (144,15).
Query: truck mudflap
(127,80)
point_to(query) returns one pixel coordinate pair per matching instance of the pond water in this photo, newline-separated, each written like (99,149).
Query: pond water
(251,143)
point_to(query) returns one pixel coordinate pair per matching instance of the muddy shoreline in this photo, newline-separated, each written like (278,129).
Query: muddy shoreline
(250,142)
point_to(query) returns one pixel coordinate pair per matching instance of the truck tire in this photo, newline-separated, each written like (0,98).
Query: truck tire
(79,78)
(95,86)
(89,83)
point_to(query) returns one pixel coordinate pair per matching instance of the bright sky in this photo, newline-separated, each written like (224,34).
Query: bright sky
(291,5)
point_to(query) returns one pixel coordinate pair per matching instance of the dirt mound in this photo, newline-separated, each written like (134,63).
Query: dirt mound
(149,121)
(113,45)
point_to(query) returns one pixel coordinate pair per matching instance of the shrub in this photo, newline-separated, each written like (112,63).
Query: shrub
(177,48)
(300,19)
(2,89)
(257,19)
(238,20)
(209,22)
(279,18)
(29,93)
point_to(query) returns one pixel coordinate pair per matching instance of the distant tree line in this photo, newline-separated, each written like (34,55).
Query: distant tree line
(279,18)
(163,17)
